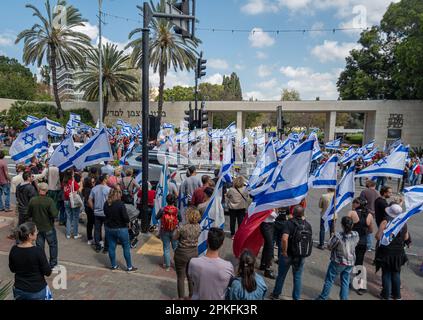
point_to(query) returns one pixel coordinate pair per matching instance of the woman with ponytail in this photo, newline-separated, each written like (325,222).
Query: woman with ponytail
(30,265)
(248,285)
(342,259)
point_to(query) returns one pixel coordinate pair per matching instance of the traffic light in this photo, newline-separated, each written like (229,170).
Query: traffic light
(201,66)
(281,123)
(204,116)
(189,117)
(182,6)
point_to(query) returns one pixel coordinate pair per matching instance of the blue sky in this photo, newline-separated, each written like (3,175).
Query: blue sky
(265,62)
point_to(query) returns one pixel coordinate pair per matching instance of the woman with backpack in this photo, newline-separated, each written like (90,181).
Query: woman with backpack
(187,237)
(69,187)
(363,225)
(248,285)
(168,217)
(342,246)
(129,187)
(237,202)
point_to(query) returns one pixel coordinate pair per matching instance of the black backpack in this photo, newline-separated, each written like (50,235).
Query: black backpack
(302,240)
(127,196)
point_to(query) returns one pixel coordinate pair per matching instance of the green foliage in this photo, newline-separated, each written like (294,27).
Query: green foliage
(389,63)
(417,151)
(21,109)
(232,88)
(4,291)
(178,93)
(356,138)
(290,95)
(16,81)
(206,92)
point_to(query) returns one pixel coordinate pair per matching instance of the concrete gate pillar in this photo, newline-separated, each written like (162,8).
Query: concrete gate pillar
(330,126)
(369,127)
(240,122)
(210,119)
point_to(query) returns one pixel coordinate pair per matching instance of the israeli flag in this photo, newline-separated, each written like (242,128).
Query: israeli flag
(75,119)
(161,193)
(96,149)
(284,148)
(369,156)
(230,131)
(130,147)
(54,128)
(30,120)
(138,178)
(267,163)
(120,123)
(289,182)
(369,146)
(394,145)
(214,216)
(317,152)
(335,144)
(390,166)
(350,155)
(168,126)
(227,163)
(30,141)
(413,196)
(395,226)
(344,195)
(63,153)
(325,176)
(244,142)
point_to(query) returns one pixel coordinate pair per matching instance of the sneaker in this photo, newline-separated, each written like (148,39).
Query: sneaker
(272,297)
(269,274)
(320,247)
(114,268)
(68,237)
(78,236)
(360,292)
(97,249)
(132,269)
(90,242)
(167,269)
(8,210)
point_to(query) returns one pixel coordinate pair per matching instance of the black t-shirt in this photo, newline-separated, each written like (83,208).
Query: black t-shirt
(380,205)
(289,229)
(29,265)
(116,215)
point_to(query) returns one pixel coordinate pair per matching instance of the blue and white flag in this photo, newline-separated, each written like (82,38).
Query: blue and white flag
(288,184)
(369,156)
(63,153)
(31,141)
(390,166)
(54,128)
(267,163)
(369,146)
(413,196)
(344,195)
(230,131)
(350,155)
(227,163)
(325,176)
(214,216)
(96,149)
(317,152)
(395,225)
(130,147)
(394,145)
(161,193)
(75,119)
(30,120)
(335,144)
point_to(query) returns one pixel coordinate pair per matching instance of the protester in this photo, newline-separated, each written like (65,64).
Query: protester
(342,259)
(237,200)
(146,216)
(88,185)
(115,179)
(198,195)
(210,274)
(24,192)
(248,285)
(96,200)
(187,237)
(29,264)
(54,186)
(116,228)
(168,217)
(42,210)
(107,169)
(129,187)
(381,204)
(172,185)
(370,194)
(324,203)
(4,184)
(191,183)
(208,192)
(72,214)
(267,231)
(392,257)
(18,179)
(297,243)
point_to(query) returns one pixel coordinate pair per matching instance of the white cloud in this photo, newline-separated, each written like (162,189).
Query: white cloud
(260,39)
(219,64)
(88,29)
(264,71)
(239,67)
(268,85)
(216,78)
(261,55)
(120,45)
(317,26)
(332,51)
(254,95)
(183,79)
(254,7)
(6,40)
(294,5)
(291,72)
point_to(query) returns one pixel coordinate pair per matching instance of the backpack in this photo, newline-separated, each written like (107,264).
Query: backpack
(302,240)
(127,196)
(169,218)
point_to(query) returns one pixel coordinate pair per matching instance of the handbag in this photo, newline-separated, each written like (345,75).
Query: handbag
(248,201)
(74,198)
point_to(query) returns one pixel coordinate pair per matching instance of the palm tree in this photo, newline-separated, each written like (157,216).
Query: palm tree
(167,49)
(116,79)
(55,41)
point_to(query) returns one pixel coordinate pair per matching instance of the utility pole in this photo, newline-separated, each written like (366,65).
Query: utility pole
(100,58)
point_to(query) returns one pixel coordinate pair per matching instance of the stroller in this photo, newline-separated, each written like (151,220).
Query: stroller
(134,225)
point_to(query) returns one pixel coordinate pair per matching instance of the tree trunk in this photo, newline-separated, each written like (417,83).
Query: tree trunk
(54,78)
(161,92)
(105,105)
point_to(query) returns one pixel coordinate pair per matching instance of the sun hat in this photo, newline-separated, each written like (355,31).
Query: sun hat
(394,210)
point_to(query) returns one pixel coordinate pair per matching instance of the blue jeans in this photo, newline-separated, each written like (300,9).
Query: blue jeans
(333,270)
(166,237)
(369,241)
(322,231)
(380,182)
(391,284)
(121,235)
(72,221)
(297,270)
(5,189)
(51,238)
(24,295)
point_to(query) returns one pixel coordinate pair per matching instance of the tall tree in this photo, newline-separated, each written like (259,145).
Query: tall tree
(290,95)
(167,50)
(45,72)
(116,80)
(55,40)
(232,88)
(16,81)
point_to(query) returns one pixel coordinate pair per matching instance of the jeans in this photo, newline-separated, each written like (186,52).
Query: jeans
(369,241)
(62,212)
(267,230)
(90,222)
(391,284)
(322,231)
(121,235)
(98,225)
(24,295)
(51,238)
(5,189)
(277,239)
(234,216)
(380,182)
(72,219)
(333,270)
(297,270)
(166,237)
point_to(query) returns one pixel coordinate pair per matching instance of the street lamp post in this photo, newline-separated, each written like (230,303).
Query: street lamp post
(100,59)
